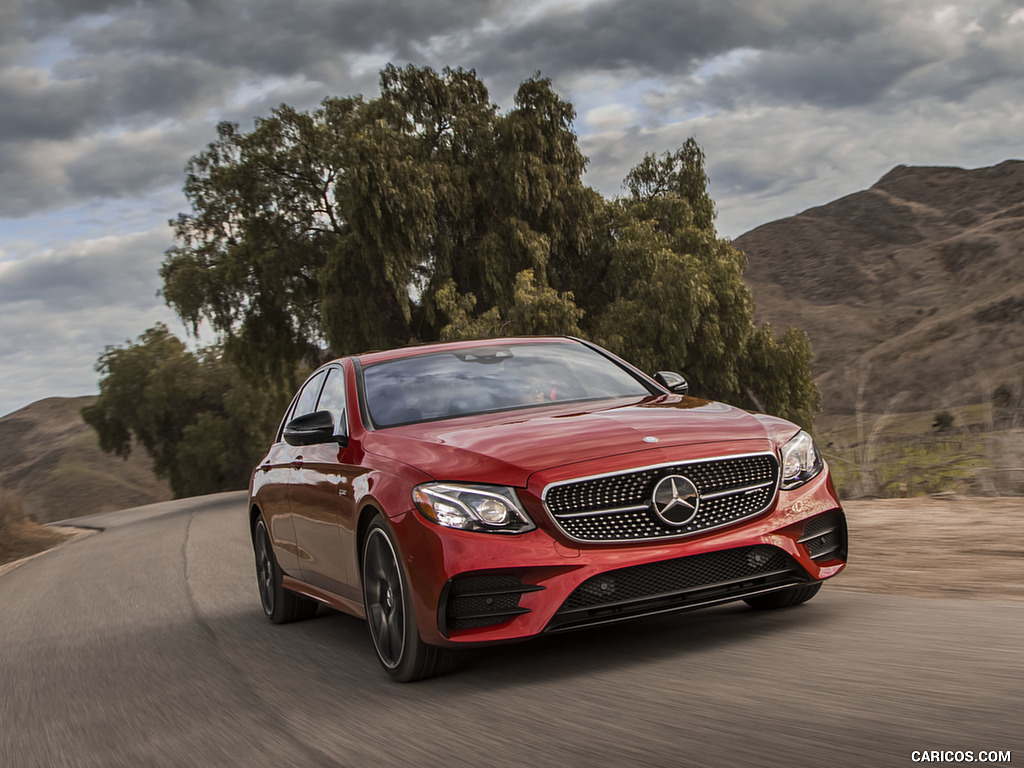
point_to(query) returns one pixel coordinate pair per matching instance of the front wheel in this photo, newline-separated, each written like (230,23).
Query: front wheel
(784,598)
(390,616)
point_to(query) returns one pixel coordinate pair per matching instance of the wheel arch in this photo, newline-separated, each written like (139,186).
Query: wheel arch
(370,509)
(254,516)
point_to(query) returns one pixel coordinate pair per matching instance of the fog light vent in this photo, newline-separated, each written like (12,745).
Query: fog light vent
(825,537)
(482,600)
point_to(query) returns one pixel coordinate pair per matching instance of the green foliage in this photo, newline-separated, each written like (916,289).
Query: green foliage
(342,226)
(1003,396)
(907,465)
(535,310)
(774,374)
(675,296)
(204,423)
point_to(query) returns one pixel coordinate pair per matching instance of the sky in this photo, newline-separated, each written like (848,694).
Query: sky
(795,102)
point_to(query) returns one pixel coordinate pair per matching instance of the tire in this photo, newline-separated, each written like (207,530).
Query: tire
(784,598)
(280,605)
(389,613)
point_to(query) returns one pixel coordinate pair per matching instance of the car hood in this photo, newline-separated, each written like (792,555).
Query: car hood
(506,448)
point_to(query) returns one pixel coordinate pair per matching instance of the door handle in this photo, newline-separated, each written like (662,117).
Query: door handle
(297,463)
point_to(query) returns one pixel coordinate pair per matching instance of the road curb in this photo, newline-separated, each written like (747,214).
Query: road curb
(74,534)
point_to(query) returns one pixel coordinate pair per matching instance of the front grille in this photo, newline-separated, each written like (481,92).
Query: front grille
(825,537)
(618,507)
(482,600)
(675,585)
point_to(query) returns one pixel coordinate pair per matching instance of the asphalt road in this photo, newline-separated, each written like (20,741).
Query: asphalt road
(145,645)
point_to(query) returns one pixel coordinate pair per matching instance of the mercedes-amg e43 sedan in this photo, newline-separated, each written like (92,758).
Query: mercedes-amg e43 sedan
(488,491)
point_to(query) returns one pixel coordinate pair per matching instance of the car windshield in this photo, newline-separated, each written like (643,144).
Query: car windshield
(441,385)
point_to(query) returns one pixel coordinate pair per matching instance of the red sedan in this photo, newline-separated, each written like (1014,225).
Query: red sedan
(488,491)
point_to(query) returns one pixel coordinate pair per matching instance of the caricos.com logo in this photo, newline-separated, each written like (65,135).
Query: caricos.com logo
(960,756)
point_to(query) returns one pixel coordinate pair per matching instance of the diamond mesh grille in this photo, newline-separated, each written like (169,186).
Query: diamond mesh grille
(679,575)
(676,585)
(611,505)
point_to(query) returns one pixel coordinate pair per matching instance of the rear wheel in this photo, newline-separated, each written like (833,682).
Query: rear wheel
(390,616)
(784,598)
(279,604)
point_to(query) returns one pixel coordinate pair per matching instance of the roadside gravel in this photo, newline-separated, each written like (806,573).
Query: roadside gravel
(956,546)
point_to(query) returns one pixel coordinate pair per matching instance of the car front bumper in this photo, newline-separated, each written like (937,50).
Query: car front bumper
(473,588)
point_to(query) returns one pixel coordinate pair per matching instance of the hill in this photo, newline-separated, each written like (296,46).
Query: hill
(912,290)
(53,463)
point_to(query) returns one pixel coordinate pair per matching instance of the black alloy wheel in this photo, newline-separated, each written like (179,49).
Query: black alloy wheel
(279,604)
(389,613)
(385,598)
(264,568)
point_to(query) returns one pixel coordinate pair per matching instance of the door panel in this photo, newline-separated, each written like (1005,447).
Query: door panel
(322,501)
(324,516)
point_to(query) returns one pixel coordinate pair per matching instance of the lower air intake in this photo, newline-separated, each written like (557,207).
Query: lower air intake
(676,585)
(482,601)
(825,537)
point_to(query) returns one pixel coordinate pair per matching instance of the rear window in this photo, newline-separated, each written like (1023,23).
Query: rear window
(485,379)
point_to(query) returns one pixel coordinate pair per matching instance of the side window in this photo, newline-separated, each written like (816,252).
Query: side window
(307,398)
(333,399)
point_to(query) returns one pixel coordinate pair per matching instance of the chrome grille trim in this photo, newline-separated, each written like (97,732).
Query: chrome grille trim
(734,491)
(586,512)
(613,510)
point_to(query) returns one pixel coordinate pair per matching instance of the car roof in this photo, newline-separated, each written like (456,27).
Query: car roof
(416,350)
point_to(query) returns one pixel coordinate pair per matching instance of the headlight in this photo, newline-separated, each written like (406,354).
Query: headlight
(490,508)
(800,461)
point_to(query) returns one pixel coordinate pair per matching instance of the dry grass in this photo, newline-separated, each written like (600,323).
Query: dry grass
(54,464)
(19,536)
(903,455)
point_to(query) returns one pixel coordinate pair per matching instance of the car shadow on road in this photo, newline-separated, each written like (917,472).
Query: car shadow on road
(674,637)
(678,636)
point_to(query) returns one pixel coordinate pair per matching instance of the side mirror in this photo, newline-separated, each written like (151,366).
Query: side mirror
(312,429)
(672,381)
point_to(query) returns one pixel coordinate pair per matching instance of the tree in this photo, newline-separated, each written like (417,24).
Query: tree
(535,309)
(339,228)
(943,421)
(427,213)
(204,424)
(674,295)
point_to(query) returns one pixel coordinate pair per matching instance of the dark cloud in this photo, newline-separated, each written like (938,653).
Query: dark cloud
(37,107)
(821,74)
(45,176)
(109,272)
(670,37)
(274,38)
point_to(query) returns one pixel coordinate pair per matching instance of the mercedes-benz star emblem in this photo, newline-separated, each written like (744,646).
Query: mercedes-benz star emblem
(675,500)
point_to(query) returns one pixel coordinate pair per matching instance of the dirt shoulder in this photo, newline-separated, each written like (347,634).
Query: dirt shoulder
(53,536)
(959,547)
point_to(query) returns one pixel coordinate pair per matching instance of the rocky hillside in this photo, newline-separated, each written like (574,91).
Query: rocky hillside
(53,463)
(912,291)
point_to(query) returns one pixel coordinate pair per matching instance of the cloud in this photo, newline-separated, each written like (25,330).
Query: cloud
(61,308)
(767,162)
(667,37)
(39,176)
(100,273)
